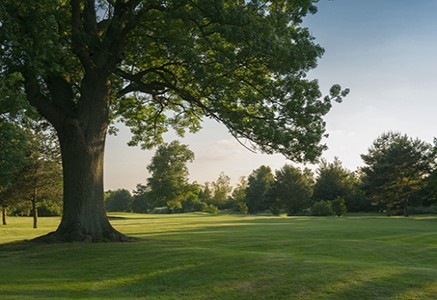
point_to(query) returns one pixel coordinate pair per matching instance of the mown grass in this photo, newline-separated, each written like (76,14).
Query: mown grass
(198,256)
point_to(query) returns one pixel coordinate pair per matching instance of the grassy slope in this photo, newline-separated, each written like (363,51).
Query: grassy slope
(198,256)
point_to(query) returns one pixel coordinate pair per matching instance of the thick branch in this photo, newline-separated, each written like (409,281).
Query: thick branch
(78,44)
(42,103)
(62,93)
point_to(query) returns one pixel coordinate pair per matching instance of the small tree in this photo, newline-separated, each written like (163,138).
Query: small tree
(339,206)
(396,166)
(292,188)
(140,199)
(119,200)
(322,208)
(260,182)
(168,182)
(239,196)
(13,147)
(41,177)
(221,191)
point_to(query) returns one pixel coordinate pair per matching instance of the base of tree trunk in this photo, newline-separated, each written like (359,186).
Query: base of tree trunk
(79,236)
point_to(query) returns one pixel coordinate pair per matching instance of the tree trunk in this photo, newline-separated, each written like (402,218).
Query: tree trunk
(4,216)
(84,216)
(406,214)
(35,208)
(82,135)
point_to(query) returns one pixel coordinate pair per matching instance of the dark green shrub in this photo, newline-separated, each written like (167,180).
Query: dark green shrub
(322,208)
(243,208)
(211,209)
(339,206)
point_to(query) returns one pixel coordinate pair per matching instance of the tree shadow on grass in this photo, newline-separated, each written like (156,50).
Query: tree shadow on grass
(190,273)
(242,259)
(407,284)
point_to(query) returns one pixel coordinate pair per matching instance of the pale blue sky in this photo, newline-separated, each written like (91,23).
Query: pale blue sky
(385,51)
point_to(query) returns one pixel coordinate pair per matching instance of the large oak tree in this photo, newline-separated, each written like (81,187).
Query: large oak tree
(157,64)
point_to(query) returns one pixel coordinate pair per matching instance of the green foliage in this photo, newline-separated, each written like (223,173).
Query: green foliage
(322,208)
(155,65)
(241,63)
(39,180)
(396,166)
(239,192)
(333,181)
(140,200)
(243,209)
(259,184)
(221,191)
(292,189)
(119,200)
(168,181)
(211,209)
(13,148)
(339,206)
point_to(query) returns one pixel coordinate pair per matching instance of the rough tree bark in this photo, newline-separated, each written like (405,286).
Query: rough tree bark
(84,217)
(82,138)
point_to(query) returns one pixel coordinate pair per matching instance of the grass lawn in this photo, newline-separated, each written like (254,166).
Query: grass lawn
(198,256)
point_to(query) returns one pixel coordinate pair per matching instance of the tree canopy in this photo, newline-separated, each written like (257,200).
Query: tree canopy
(155,65)
(396,166)
(292,189)
(169,175)
(259,184)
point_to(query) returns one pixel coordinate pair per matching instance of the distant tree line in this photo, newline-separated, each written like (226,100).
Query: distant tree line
(399,177)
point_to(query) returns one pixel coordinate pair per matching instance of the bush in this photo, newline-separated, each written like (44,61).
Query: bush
(276,211)
(243,208)
(322,208)
(339,206)
(50,208)
(212,209)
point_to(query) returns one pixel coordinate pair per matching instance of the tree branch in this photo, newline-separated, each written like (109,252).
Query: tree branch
(42,103)
(62,93)
(78,44)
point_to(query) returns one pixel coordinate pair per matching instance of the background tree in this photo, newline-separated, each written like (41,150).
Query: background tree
(333,181)
(155,65)
(221,191)
(239,196)
(119,200)
(205,194)
(40,179)
(259,184)
(13,147)
(292,189)
(396,166)
(140,199)
(168,179)
(192,200)
(339,206)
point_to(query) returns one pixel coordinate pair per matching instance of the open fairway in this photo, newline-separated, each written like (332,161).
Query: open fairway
(198,256)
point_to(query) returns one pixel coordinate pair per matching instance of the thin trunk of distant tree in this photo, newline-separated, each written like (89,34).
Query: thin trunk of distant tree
(406,214)
(35,208)
(4,216)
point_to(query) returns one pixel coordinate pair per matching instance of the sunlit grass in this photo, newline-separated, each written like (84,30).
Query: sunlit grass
(198,256)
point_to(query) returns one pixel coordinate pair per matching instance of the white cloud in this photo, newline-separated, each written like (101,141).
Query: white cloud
(220,150)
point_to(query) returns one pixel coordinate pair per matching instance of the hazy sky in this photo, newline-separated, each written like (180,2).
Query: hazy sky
(385,51)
